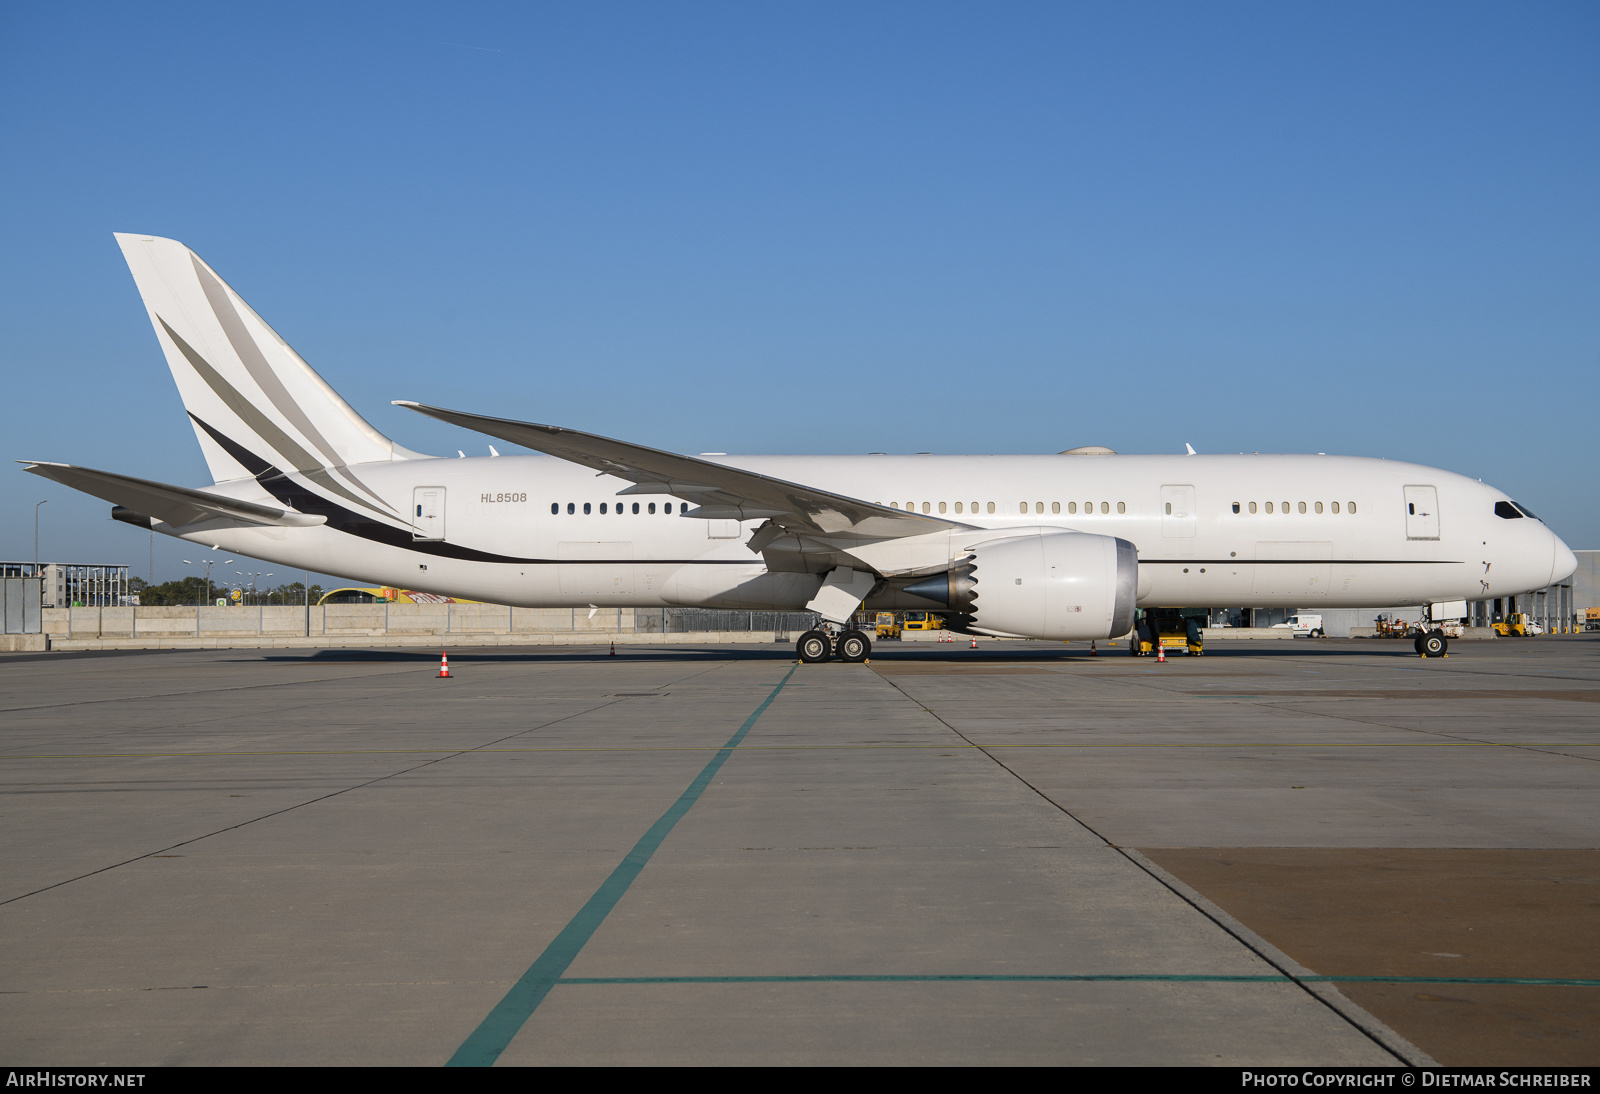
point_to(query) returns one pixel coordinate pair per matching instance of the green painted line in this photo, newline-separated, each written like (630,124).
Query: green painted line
(1167,978)
(800,748)
(1541,982)
(928,978)
(485,1044)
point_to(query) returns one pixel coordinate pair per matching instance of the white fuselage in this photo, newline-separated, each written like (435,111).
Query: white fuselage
(1342,531)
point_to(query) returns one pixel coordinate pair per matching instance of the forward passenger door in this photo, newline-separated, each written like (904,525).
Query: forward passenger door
(1422,512)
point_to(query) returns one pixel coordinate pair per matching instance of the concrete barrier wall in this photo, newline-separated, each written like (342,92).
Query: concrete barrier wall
(353,624)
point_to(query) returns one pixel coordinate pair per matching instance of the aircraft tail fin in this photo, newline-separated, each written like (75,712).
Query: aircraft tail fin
(238,379)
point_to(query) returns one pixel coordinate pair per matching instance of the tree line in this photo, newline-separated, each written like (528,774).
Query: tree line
(192,590)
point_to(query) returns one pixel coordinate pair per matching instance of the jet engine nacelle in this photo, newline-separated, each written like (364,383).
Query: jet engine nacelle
(1048,584)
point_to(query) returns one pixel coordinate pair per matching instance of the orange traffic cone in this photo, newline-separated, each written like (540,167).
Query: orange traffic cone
(1092,652)
(1161,652)
(974,641)
(613,648)
(444,666)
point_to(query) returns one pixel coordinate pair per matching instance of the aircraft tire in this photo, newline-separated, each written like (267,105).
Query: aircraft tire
(814,648)
(853,647)
(1433,645)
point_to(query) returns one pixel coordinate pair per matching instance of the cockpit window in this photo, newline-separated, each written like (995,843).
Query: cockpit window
(1524,510)
(1507,510)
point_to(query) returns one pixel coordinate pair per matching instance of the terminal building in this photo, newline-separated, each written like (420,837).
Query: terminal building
(75,584)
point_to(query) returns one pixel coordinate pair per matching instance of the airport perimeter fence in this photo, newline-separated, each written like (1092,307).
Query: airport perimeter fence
(394,624)
(684,620)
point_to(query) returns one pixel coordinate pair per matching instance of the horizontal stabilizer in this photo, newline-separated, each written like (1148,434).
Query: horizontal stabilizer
(176,505)
(792,505)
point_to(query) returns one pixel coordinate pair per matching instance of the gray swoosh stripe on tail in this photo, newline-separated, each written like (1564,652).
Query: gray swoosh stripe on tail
(299,458)
(262,372)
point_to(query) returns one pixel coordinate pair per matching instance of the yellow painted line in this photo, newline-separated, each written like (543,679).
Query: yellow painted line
(809,748)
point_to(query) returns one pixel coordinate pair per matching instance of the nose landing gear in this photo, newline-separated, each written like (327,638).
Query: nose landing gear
(1432,644)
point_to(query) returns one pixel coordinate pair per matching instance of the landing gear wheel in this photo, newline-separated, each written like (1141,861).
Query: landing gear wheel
(1433,645)
(814,648)
(852,647)
(1416,644)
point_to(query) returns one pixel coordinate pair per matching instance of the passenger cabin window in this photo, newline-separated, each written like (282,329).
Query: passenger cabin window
(1336,508)
(1302,506)
(585,508)
(1352,507)
(1055,507)
(991,507)
(958,507)
(1072,507)
(652,507)
(555,507)
(1122,507)
(1105,507)
(571,508)
(1252,507)
(1269,508)
(1319,507)
(1235,507)
(602,509)
(635,507)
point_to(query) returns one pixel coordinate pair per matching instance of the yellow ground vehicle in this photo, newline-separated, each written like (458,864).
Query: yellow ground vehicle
(1515,625)
(1591,619)
(386,593)
(1173,628)
(888,625)
(922,621)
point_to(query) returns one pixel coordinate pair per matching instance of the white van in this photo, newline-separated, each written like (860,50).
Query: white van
(1302,625)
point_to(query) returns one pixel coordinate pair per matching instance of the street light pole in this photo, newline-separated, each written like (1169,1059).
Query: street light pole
(36,538)
(207,562)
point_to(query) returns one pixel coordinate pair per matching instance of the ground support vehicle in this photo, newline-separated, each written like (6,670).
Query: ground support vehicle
(922,621)
(1175,629)
(887,626)
(1303,625)
(1516,625)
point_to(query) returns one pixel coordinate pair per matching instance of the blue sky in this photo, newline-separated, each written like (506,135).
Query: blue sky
(1366,229)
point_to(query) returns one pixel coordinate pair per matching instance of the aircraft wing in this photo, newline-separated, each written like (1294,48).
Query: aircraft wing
(176,505)
(721,491)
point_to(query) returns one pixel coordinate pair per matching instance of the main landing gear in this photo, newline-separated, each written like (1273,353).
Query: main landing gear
(815,647)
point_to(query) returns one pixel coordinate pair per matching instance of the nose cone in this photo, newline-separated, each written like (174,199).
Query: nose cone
(1565,563)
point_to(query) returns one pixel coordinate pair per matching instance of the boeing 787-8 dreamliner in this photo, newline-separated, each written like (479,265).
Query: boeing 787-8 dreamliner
(1059,547)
